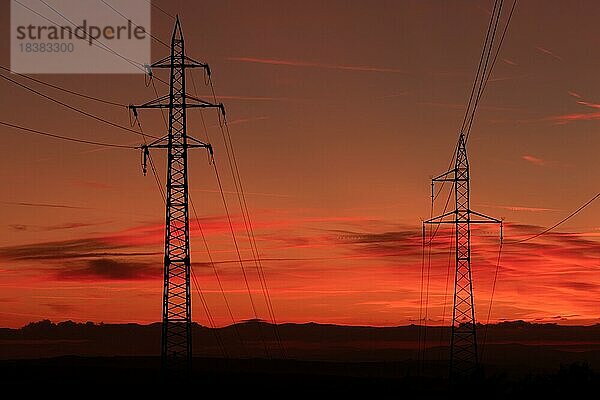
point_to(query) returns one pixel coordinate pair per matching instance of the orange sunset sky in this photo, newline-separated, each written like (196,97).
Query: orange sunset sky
(340,112)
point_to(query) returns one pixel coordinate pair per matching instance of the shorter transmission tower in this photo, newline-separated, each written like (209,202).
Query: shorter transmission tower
(463,342)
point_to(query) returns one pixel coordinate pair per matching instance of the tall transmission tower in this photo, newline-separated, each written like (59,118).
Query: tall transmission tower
(176,348)
(463,342)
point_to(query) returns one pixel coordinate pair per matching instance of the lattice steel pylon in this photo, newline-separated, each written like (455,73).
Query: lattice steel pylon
(463,342)
(176,347)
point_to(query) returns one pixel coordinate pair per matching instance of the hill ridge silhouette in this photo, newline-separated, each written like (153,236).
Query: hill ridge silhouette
(308,341)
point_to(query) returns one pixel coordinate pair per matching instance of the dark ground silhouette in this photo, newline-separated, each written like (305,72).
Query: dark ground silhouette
(518,357)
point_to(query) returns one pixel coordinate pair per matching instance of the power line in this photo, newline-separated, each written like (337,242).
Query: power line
(71,107)
(483,50)
(253,247)
(421,294)
(95,42)
(160,9)
(562,221)
(493,63)
(130,61)
(104,47)
(426,274)
(210,258)
(64,90)
(152,166)
(134,24)
(162,114)
(218,278)
(487,322)
(432,236)
(447,283)
(209,316)
(70,139)
(483,73)
(237,249)
(226,134)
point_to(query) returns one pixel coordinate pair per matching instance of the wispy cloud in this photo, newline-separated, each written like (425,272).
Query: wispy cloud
(566,118)
(60,307)
(244,120)
(507,78)
(521,208)
(588,104)
(509,62)
(528,209)
(91,184)
(84,259)
(577,117)
(459,106)
(484,9)
(583,116)
(534,160)
(392,96)
(124,243)
(251,98)
(294,63)
(548,52)
(57,227)
(68,225)
(456,106)
(67,250)
(49,205)
(246,193)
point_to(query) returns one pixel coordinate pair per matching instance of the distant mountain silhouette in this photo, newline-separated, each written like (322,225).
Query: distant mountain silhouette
(516,343)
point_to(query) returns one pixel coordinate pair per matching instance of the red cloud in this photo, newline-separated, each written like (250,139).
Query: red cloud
(522,208)
(588,104)
(357,271)
(509,62)
(588,116)
(534,160)
(548,52)
(563,119)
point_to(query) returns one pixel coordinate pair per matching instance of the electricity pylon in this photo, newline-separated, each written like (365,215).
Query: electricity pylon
(176,348)
(463,342)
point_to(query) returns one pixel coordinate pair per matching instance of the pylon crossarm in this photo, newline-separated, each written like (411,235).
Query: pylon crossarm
(160,63)
(196,64)
(158,143)
(203,103)
(444,177)
(198,143)
(156,103)
(191,63)
(440,219)
(486,219)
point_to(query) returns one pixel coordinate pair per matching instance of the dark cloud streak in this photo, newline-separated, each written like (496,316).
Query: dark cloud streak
(49,205)
(110,269)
